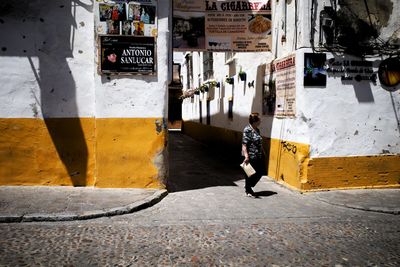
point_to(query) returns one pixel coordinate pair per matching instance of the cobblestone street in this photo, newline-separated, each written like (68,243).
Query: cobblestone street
(207,221)
(263,242)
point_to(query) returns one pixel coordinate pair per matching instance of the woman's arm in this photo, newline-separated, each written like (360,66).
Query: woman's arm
(245,153)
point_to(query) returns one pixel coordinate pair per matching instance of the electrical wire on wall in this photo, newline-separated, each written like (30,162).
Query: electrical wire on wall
(295,24)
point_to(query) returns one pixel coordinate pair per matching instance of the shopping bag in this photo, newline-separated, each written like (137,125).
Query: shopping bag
(248,169)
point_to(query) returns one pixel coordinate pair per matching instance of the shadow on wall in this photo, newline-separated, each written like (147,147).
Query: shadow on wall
(45,31)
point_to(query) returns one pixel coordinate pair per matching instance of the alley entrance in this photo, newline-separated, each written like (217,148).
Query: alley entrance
(193,165)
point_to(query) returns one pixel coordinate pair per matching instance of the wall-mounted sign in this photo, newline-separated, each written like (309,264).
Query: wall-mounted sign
(120,54)
(351,69)
(222,25)
(285,84)
(314,69)
(279,94)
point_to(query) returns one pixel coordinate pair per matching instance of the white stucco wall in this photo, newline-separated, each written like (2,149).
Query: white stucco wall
(340,119)
(349,118)
(46,59)
(138,96)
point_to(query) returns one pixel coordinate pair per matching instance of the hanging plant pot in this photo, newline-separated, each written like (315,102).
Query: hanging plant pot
(229,80)
(242,75)
(203,88)
(212,84)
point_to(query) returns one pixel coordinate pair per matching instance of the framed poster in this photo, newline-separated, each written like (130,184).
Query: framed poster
(284,73)
(314,70)
(124,54)
(222,25)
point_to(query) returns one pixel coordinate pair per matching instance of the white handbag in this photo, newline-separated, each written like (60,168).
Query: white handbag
(248,169)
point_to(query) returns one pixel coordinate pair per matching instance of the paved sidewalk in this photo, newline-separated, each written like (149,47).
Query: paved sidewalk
(209,173)
(377,200)
(62,203)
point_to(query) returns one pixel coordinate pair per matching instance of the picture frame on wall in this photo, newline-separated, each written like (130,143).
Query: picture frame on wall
(314,69)
(127,55)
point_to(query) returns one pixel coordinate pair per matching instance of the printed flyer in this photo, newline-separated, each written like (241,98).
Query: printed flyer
(285,80)
(222,25)
(238,26)
(279,94)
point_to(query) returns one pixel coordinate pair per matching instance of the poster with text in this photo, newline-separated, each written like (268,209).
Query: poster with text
(239,26)
(222,25)
(285,85)
(143,14)
(121,54)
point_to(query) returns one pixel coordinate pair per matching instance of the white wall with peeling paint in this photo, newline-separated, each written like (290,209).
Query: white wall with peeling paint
(46,59)
(340,119)
(349,118)
(138,96)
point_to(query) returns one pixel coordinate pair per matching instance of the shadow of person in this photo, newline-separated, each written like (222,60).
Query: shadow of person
(265,193)
(58,96)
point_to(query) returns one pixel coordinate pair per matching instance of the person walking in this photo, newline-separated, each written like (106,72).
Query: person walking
(253,152)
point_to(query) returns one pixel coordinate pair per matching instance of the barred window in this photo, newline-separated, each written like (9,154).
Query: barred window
(208,68)
(229,57)
(189,71)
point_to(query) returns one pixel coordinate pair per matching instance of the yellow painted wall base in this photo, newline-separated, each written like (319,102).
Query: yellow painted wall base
(353,172)
(81,152)
(126,152)
(289,163)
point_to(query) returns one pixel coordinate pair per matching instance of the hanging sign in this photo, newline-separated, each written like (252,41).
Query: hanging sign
(120,54)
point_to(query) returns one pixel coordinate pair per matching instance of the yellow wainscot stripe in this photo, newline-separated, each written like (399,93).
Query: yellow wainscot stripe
(56,151)
(289,163)
(381,171)
(126,152)
(82,152)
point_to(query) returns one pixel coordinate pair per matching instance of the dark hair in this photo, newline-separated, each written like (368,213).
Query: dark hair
(254,117)
(108,52)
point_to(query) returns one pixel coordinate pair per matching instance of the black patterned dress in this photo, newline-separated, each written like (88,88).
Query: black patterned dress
(253,141)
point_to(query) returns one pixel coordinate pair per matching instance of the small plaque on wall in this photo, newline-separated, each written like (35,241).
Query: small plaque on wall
(124,55)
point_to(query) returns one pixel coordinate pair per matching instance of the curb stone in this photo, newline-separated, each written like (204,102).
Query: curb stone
(86,215)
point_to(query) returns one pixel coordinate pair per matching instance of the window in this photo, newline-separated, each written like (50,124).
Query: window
(176,73)
(208,69)
(189,71)
(229,57)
